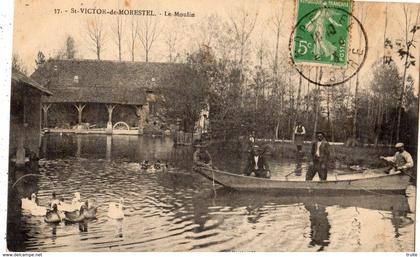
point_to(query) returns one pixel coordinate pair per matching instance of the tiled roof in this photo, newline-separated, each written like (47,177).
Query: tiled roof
(19,77)
(101,81)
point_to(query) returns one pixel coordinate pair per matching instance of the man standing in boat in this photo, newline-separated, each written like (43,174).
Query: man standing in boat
(320,156)
(257,163)
(401,161)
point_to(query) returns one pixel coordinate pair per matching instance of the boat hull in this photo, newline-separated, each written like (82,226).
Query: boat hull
(395,183)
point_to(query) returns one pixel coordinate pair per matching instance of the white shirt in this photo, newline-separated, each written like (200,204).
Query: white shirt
(402,160)
(300,133)
(318,145)
(256,161)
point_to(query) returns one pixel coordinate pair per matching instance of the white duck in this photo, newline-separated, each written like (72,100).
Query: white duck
(115,210)
(28,203)
(31,206)
(74,206)
(39,211)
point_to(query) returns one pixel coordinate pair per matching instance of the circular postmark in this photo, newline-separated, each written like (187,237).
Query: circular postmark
(322,55)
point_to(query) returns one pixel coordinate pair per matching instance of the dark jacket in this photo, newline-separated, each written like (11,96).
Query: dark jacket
(262,163)
(202,157)
(324,151)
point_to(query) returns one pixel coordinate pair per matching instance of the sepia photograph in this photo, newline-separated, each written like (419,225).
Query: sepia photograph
(212,126)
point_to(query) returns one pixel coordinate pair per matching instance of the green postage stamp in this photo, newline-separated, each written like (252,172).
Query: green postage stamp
(321,35)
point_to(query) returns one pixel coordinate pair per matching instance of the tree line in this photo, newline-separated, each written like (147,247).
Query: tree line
(244,78)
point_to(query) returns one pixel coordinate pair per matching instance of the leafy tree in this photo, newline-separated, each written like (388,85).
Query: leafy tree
(70,48)
(184,94)
(40,59)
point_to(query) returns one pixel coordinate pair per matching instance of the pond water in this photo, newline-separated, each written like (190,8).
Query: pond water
(181,211)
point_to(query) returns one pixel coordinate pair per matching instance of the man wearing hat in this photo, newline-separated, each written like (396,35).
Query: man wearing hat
(320,158)
(401,161)
(201,156)
(257,163)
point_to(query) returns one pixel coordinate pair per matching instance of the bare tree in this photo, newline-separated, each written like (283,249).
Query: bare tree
(96,35)
(17,64)
(207,30)
(362,17)
(411,26)
(243,25)
(277,25)
(133,36)
(173,38)
(148,32)
(117,29)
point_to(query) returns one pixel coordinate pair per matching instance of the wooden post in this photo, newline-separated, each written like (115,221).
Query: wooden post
(20,151)
(79,107)
(79,146)
(45,108)
(108,147)
(110,108)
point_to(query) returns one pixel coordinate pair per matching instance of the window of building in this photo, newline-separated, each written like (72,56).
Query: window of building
(76,79)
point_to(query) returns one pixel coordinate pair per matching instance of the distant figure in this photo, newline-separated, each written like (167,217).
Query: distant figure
(206,124)
(299,135)
(203,124)
(320,157)
(201,156)
(401,161)
(257,164)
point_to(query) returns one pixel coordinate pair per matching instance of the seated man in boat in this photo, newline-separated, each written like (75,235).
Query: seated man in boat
(401,161)
(257,164)
(320,157)
(201,156)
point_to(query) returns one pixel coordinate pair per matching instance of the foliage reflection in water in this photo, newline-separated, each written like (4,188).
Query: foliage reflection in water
(179,211)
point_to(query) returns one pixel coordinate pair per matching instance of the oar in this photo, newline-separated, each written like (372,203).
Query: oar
(289,174)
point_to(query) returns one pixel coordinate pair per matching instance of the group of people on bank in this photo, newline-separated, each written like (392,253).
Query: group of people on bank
(257,163)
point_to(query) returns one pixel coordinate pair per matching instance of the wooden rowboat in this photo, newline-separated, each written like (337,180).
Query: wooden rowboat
(374,181)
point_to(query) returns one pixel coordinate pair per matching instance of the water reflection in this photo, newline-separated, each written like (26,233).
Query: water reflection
(179,211)
(83,226)
(320,227)
(299,161)
(108,147)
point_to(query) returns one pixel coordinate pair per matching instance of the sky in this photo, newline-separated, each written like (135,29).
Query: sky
(37,27)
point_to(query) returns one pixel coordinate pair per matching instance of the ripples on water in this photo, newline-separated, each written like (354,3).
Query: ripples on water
(180,211)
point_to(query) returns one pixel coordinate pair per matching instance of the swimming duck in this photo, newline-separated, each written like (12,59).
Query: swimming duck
(28,203)
(53,215)
(38,210)
(115,210)
(32,206)
(54,200)
(157,165)
(90,211)
(144,165)
(75,216)
(74,206)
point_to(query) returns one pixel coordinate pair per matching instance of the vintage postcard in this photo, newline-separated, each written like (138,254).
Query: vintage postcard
(212,125)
